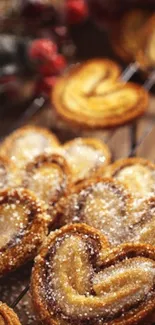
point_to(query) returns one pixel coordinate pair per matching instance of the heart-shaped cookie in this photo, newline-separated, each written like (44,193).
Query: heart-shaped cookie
(77,280)
(128,37)
(143,229)
(26,143)
(85,156)
(7,173)
(48,177)
(136,173)
(23,227)
(8,316)
(146,54)
(103,203)
(91,96)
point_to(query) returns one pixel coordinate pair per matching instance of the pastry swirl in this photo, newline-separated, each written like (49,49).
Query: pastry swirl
(49,177)
(7,173)
(23,227)
(85,156)
(136,173)
(102,203)
(145,55)
(7,316)
(26,143)
(77,279)
(143,229)
(128,37)
(91,96)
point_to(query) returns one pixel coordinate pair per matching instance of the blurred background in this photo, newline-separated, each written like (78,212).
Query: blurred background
(39,39)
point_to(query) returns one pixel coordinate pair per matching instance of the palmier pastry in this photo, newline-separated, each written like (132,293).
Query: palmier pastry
(8,316)
(127,38)
(26,143)
(23,227)
(49,177)
(7,173)
(85,156)
(102,203)
(91,96)
(145,55)
(144,228)
(137,173)
(77,280)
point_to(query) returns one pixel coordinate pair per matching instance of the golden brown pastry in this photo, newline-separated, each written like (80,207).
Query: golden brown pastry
(7,173)
(143,230)
(146,54)
(137,173)
(128,37)
(102,203)
(49,177)
(8,316)
(85,156)
(26,143)
(77,280)
(91,96)
(23,227)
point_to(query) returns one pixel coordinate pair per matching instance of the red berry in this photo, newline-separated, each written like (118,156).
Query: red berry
(45,86)
(59,63)
(77,10)
(42,50)
(53,66)
(45,69)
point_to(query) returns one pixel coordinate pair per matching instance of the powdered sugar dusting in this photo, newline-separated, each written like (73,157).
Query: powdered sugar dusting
(130,281)
(84,159)
(13,219)
(28,146)
(144,227)
(75,286)
(105,209)
(78,291)
(103,206)
(140,179)
(3,176)
(45,182)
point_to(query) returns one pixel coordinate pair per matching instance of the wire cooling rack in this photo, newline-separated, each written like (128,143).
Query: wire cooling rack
(134,139)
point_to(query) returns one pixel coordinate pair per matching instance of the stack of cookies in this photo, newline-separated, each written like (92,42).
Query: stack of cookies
(87,224)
